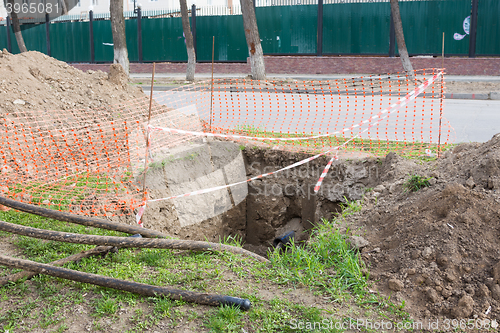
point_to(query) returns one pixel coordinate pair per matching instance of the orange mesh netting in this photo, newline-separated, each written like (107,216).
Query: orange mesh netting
(91,161)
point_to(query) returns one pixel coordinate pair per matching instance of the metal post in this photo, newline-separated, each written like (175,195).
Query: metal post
(193,28)
(9,42)
(139,32)
(392,39)
(91,25)
(47,32)
(473,29)
(212,87)
(319,48)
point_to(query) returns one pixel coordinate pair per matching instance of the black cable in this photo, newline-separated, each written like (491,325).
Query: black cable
(133,287)
(125,242)
(108,225)
(82,220)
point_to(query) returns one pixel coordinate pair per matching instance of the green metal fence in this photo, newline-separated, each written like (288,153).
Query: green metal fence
(288,29)
(229,45)
(63,44)
(162,39)
(356,28)
(488,28)
(34,38)
(425,21)
(348,28)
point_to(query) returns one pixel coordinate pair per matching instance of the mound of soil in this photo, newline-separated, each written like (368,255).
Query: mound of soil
(438,249)
(35,81)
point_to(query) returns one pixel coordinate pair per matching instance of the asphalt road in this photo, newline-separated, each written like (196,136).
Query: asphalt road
(472,120)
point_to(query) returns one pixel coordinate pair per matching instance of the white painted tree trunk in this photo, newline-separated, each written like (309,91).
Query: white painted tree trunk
(118,31)
(400,38)
(191,65)
(121,57)
(253,40)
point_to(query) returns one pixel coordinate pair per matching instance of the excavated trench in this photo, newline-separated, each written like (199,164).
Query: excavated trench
(257,211)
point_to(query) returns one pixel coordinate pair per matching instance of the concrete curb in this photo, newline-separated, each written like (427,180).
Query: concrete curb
(467,96)
(494,95)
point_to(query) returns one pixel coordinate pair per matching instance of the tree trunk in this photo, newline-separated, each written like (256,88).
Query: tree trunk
(253,40)
(65,7)
(191,65)
(17,29)
(400,38)
(118,30)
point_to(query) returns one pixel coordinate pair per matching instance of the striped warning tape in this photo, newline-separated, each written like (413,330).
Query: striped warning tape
(400,103)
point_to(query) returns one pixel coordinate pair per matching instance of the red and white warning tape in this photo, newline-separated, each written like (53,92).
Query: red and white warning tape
(380,116)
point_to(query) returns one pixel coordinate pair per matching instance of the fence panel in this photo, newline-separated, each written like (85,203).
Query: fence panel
(3,38)
(488,28)
(70,41)
(425,21)
(131,35)
(103,41)
(288,29)
(230,42)
(34,38)
(356,28)
(163,40)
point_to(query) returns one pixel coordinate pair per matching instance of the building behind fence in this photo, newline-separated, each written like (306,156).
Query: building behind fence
(313,27)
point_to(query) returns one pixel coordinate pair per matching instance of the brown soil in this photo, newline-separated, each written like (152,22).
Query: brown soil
(44,83)
(438,248)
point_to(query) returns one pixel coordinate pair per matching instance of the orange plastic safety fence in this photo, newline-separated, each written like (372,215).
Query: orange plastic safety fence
(90,161)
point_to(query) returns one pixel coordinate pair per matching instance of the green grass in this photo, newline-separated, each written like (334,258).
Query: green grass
(327,264)
(65,192)
(376,147)
(416,182)
(326,267)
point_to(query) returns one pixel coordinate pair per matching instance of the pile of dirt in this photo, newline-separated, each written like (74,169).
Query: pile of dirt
(438,249)
(35,81)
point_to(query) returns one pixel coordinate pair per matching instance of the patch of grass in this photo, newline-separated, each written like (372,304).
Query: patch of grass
(377,147)
(62,193)
(151,257)
(416,182)
(326,265)
(232,240)
(106,306)
(350,207)
(225,319)
(163,306)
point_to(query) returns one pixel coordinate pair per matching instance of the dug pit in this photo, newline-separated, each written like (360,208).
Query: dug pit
(257,211)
